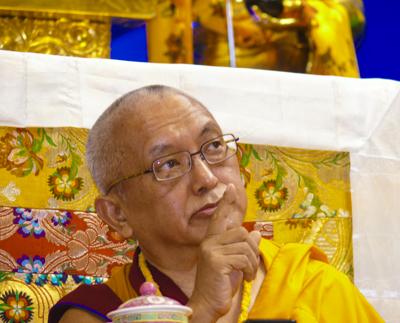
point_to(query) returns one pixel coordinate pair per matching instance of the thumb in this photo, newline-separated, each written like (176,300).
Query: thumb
(255,236)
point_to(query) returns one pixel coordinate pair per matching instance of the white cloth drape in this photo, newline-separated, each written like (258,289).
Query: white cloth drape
(315,112)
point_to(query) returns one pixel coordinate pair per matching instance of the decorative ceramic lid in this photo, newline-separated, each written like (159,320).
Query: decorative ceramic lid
(148,298)
(150,302)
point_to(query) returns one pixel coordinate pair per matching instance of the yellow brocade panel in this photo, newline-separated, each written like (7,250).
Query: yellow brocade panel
(45,168)
(52,34)
(22,302)
(302,196)
(48,245)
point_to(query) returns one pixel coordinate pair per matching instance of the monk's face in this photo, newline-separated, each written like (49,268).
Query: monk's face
(168,211)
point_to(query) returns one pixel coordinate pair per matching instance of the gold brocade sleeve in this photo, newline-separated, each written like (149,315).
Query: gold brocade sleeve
(331,40)
(301,287)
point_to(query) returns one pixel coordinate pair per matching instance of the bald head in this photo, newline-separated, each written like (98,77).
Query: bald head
(108,144)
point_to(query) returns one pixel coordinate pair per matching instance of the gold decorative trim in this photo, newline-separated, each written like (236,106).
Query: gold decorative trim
(136,9)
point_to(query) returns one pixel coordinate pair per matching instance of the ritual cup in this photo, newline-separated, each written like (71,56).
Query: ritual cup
(150,308)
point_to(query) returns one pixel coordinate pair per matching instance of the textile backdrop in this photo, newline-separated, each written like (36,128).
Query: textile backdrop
(317,155)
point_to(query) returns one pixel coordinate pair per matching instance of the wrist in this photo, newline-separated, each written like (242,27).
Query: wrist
(202,311)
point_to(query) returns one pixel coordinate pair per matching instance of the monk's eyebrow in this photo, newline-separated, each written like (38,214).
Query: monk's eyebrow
(209,127)
(159,149)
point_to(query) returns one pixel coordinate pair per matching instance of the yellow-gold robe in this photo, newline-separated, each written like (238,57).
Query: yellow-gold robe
(300,285)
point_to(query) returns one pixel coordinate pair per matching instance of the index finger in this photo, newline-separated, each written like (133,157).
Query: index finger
(219,220)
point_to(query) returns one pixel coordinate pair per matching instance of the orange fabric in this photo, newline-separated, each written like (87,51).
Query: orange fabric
(120,284)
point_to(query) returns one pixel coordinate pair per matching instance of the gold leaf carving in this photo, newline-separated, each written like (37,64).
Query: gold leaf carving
(50,34)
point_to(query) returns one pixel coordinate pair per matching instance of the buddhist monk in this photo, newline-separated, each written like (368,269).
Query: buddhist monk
(169,177)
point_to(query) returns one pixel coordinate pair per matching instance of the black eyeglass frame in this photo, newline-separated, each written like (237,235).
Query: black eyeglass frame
(203,157)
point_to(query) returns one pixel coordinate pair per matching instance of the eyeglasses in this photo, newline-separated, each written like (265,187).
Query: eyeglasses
(175,165)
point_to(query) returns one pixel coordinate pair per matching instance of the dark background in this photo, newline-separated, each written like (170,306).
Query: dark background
(378,52)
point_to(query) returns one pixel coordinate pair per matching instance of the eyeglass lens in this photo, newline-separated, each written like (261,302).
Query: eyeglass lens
(214,151)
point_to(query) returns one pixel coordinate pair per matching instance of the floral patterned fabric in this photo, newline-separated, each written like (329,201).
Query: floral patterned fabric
(51,241)
(46,242)
(297,195)
(51,162)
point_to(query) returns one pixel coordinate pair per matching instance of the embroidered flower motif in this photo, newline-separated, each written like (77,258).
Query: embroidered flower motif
(343,213)
(307,207)
(58,279)
(63,186)
(88,280)
(62,157)
(30,265)
(58,155)
(310,210)
(18,153)
(326,212)
(11,191)
(62,218)
(38,279)
(78,252)
(41,279)
(29,222)
(269,197)
(16,307)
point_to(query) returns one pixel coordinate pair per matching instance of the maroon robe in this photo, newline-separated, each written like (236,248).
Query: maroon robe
(100,299)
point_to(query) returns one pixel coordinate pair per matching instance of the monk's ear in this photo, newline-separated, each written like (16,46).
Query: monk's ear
(109,210)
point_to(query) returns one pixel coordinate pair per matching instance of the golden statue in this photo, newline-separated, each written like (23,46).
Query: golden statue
(308,36)
(305,36)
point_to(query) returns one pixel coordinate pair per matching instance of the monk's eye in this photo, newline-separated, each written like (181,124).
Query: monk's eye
(169,164)
(216,147)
